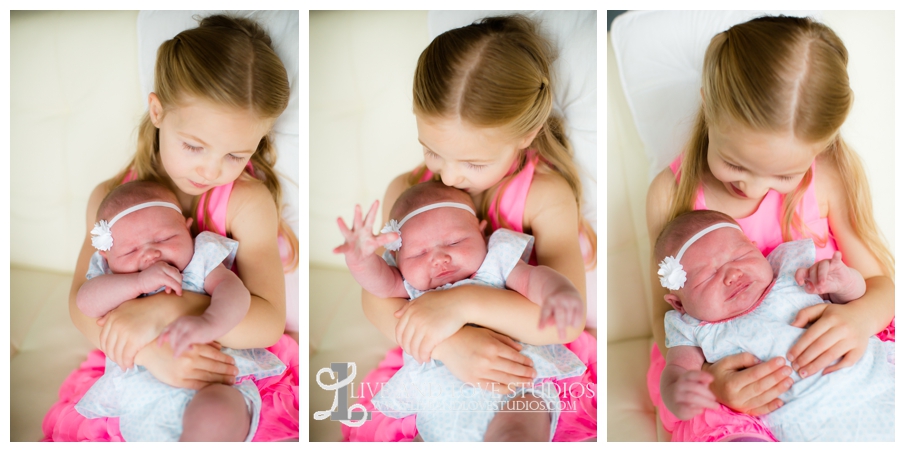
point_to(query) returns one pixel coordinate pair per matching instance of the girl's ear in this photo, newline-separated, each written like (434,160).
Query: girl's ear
(528,139)
(675,302)
(155,109)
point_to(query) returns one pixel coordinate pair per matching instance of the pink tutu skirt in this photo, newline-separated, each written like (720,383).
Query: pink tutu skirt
(279,397)
(577,425)
(714,425)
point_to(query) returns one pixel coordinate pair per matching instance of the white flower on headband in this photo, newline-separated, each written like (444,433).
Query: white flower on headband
(101,238)
(672,276)
(393,226)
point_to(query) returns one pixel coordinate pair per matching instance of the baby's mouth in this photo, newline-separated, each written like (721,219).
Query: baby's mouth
(737,292)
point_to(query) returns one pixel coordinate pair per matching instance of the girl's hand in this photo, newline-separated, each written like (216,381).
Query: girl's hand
(836,333)
(160,274)
(828,276)
(185,331)
(479,356)
(199,366)
(691,395)
(744,384)
(425,322)
(360,241)
(128,328)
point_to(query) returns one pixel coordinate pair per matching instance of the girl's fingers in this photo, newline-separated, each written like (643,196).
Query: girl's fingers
(510,343)
(767,408)
(847,361)
(826,358)
(216,361)
(817,345)
(803,318)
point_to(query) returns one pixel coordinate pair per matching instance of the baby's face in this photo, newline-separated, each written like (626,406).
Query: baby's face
(726,276)
(146,236)
(440,246)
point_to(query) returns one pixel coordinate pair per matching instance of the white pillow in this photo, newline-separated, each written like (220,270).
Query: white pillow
(155,27)
(660,56)
(574,33)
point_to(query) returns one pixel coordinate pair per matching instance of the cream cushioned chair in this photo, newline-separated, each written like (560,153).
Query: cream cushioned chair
(654,60)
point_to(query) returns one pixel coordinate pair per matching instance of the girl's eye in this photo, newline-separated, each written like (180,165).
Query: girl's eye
(472,166)
(430,153)
(235,158)
(191,148)
(734,168)
(785,178)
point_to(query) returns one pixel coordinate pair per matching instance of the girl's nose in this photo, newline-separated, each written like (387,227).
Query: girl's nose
(449,176)
(210,171)
(753,189)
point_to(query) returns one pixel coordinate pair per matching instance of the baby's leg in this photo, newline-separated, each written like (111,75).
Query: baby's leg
(216,413)
(523,418)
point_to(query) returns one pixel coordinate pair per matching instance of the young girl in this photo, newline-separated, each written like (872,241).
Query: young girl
(766,150)
(218,89)
(726,294)
(483,104)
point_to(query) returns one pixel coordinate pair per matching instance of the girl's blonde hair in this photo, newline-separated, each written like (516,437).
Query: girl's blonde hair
(229,61)
(781,74)
(496,72)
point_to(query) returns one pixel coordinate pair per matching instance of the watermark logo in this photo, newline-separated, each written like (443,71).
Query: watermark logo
(342,413)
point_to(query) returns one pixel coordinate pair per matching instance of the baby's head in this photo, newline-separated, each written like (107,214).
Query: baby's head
(442,244)
(725,275)
(133,240)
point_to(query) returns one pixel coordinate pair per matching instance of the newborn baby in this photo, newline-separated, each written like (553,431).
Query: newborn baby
(144,246)
(729,299)
(434,242)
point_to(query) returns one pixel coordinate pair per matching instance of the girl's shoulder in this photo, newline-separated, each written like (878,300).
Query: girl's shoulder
(249,201)
(548,195)
(660,194)
(828,186)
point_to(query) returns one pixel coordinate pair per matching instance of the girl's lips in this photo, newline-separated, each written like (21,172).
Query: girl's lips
(199,185)
(737,191)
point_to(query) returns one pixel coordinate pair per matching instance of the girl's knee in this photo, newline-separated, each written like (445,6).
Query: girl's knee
(216,413)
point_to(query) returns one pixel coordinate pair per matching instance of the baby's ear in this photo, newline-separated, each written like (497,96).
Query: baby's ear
(103,254)
(188,223)
(675,302)
(483,225)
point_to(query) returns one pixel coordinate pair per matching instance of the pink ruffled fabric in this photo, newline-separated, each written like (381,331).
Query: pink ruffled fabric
(573,426)
(279,397)
(715,425)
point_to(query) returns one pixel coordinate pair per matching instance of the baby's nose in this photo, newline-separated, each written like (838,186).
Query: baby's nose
(732,276)
(441,258)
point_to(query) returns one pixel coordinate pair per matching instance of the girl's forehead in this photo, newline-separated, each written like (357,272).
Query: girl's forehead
(776,153)
(456,136)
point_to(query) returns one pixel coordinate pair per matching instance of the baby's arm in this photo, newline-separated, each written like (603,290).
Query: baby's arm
(99,295)
(369,270)
(552,291)
(230,300)
(685,388)
(833,278)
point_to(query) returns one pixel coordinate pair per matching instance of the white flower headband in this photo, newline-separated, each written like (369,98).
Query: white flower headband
(396,226)
(672,276)
(102,238)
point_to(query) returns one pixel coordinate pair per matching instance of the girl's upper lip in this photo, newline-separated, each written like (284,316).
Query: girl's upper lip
(738,191)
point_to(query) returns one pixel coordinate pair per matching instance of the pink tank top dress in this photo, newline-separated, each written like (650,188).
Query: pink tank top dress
(279,394)
(580,392)
(764,227)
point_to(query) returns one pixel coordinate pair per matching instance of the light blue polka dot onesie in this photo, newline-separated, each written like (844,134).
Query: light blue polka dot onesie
(852,404)
(150,410)
(451,410)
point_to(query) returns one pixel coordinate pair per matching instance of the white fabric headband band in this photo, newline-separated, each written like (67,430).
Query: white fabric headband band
(672,275)
(396,226)
(101,236)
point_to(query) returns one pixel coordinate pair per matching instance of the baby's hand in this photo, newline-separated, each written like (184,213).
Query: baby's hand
(828,276)
(691,395)
(562,308)
(185,331)
(160,274)
(360,241)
